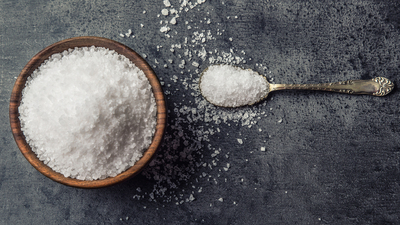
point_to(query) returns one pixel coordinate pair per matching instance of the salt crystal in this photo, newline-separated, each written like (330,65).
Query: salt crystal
(182,64)
(164,12)
(263,149)
(82,126)
(191,198)
(227,167)
(167,3)
(230,86)
(240,141)
(129,33)
(173,21)
(196,64)
(165,29)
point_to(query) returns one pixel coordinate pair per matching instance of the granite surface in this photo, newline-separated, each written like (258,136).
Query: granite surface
(298,157)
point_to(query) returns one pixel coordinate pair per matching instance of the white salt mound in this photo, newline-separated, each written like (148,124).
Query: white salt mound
(88,113)
(230,86)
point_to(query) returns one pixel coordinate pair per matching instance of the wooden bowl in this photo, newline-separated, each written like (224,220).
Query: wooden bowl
(59,47)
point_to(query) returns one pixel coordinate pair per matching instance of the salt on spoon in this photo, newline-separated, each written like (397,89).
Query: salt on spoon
(231,86)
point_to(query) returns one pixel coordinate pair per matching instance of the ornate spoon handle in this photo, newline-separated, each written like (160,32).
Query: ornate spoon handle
(378,86)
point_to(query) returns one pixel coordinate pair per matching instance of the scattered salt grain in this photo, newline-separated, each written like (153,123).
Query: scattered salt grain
(167,3)
(182,64)
(228,165)
(173,21)
(240,141)
(195,64)
(79,113)
(164,12)
(230,86)
(263,149)
(128,34)
(165,29)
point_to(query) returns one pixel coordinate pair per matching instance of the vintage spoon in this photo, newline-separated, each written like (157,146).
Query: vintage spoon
(230,86)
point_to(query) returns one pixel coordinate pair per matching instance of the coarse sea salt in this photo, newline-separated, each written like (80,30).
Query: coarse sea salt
(88,113)
(230,86)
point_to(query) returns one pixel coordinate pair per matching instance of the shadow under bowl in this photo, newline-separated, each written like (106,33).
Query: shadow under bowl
(86,41)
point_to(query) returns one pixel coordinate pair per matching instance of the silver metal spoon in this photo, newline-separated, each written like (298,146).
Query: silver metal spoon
(378,86)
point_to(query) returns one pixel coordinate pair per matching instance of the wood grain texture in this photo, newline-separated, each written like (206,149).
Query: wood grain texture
(86,41)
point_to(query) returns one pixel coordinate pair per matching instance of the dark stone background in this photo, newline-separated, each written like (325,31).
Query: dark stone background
(334,158)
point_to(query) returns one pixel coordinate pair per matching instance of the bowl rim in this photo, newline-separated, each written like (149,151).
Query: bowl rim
(87,41)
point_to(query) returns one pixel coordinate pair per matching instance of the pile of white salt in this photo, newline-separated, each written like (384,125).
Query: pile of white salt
(230,86)
(88,113)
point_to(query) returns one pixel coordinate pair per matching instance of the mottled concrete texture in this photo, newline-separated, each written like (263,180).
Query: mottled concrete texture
(330,158)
